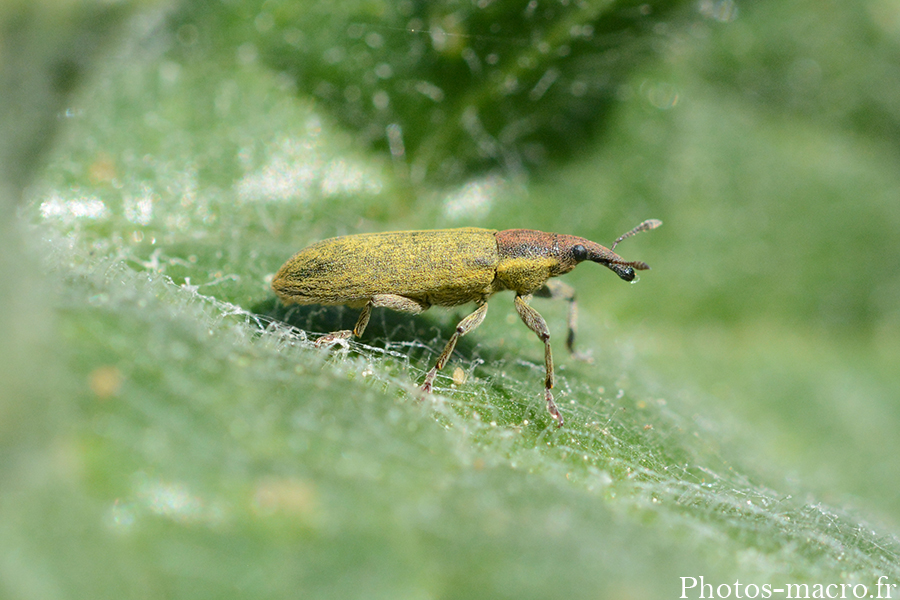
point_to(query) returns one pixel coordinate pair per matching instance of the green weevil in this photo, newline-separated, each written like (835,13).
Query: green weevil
(411,271)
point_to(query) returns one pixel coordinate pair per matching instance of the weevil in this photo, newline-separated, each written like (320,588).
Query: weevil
(411,271)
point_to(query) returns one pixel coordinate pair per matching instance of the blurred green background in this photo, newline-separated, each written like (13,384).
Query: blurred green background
(166,429)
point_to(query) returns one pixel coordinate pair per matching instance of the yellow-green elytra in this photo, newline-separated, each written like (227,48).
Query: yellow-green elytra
(411,271)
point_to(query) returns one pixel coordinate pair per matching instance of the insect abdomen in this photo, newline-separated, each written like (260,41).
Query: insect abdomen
(443,267)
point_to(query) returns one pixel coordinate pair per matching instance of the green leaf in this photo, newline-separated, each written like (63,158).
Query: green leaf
(169,430)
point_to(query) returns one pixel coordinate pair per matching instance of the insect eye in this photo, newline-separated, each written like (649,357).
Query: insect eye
(579,252)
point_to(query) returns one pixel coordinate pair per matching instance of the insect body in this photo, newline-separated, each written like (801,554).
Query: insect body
(411,271)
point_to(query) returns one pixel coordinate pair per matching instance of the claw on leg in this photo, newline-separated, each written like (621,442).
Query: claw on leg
(552,409)
(336,337)
(465,326)
(429,380)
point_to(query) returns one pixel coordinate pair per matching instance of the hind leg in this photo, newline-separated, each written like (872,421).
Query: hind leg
(392,301)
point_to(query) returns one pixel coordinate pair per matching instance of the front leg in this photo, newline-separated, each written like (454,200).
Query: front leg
(560,290)
(536,323)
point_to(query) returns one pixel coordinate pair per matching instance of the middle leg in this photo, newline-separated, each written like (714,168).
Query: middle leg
(465,326)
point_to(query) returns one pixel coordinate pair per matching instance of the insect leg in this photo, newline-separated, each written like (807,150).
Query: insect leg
(392,301)
(536,323)
(400,303)
(560,290)
(345,334)
(464,327)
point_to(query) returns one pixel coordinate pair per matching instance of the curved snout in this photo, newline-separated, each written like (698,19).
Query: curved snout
(625,269)
(626,273)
